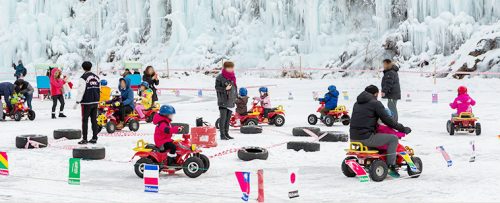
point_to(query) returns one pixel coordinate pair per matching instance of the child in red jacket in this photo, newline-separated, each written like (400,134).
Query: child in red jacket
(56,90)
(164,131)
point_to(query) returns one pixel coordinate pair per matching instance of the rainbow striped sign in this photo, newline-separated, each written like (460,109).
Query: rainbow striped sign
(4,164)
(151,176)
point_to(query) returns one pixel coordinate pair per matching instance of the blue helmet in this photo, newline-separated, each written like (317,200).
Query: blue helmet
(104,82)
(167,110)
(332,88)
(389,112)
(263,89)
(243,92)
(145,84)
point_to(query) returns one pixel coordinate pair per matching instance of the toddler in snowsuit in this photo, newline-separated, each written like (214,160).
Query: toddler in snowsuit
(105,91)
(463,102)
(164,131)
(146,99)
(265,102)
(331,98)
(241,105)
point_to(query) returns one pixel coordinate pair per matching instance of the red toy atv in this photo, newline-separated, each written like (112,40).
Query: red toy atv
(106,119)
(256,117)
(373,161)
(150,113)
(464,122)
(19,110)
(339,114)
(189,158)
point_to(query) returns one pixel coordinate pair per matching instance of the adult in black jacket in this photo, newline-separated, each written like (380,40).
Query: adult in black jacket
(24,87)
(88,97)
(366,112)
(225,86)
(6,91)
(151,77)
(391,90)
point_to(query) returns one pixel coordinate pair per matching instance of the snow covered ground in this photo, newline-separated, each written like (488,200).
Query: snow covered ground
(41,174)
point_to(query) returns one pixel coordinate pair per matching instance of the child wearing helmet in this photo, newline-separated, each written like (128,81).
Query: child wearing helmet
(241,104)
(146,99)
(331,98)
(463,102)
(164,131)
(265,102)
(105,91)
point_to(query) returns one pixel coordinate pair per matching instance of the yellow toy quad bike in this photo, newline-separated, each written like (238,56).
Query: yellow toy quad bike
(464,122)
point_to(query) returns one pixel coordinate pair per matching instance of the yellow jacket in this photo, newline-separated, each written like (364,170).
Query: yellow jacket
(147,98)
(105,94)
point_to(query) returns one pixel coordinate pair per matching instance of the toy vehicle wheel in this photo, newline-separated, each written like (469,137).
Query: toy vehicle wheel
(133,125)
(251,121)
(110,127)
(31,115)
(193,167)
(185,127)
(70,134)
(279,120)
(346,170)
(299,131)
(332,136)
(18,116)
(312,119)
(378,170)
(217,123)
(478,129)
(329,120)
(206,162)
(89,153)
(345,119)
(450,126)
(23,139)
(418,163)
(251,153)
(251,129)
(306,146)
(139,166)
(149,119)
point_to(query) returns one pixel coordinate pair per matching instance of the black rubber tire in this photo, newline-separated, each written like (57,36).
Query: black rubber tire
(306,146)
(89,153)
(332,136)
(250,122)
(206,162)
(217,123)
(278,120)
(451,128)
(185,127)
(70,134)
(299,131)
(110,127)
(18,116)
(149,119)
(378,166)
(193,167)
(346,170)
(31,115)
(139,166)
(251,153)
(346,120)
(478,129)
(329,120)
(312,119)
(344,138)
(21,141)
(133,125)
(251,129)
(418,163)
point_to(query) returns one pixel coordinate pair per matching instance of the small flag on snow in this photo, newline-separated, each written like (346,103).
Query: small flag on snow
(434,98)
(346,95)
(290,96)
(244,181)
(4,164)
(200,93)
(473,156)
(315,95)
(408,98)
(294,188)
(358,170)
(151,176)
(445,155)
(177,93)
(74,171)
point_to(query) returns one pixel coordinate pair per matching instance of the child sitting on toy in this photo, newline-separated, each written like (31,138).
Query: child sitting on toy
(331,98)
(241,105)
(265,102)
(463,102)
(164,131)
(146,99)
(105,91)
(381,128)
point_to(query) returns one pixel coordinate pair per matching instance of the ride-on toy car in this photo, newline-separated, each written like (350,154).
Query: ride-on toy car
(256,117)
(106,119)
(19,110)
(339,114)
(463,122)
(150,113)
(189,158)
(374,161)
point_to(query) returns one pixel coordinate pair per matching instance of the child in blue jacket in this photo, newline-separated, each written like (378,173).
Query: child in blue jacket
(127,104)
(331,98)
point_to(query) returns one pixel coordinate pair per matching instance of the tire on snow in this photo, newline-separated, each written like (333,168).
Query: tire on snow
(332,136)
(306,146)
(251,129)
(90,153)
(70,134)
(185,127)
(299,131)
(251,153)
(21,141)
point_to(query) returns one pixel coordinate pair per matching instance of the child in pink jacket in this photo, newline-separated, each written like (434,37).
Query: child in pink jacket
(265,102)
(381,128)
(56,91)
(463,102)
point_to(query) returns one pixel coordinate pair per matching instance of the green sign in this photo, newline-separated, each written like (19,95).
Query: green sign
(74,171)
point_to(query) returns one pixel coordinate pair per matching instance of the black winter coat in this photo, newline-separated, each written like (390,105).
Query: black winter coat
(225,98)
(390,84)
(152,84)
(366,112)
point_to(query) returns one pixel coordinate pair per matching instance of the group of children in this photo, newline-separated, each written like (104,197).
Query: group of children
(242,103)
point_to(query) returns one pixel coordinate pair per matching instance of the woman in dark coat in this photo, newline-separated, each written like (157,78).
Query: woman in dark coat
(151,77)
(225,86)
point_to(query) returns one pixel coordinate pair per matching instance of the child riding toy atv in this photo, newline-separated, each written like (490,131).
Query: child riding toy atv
(106,119)
(189,158)
(339,114)
(19,109)
(374,161)
(463,122)
(256,117)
